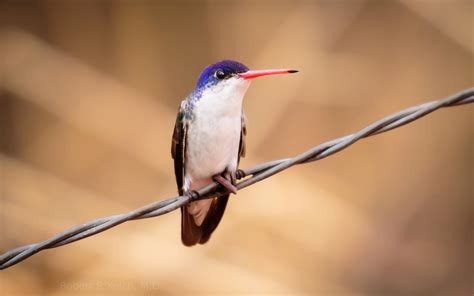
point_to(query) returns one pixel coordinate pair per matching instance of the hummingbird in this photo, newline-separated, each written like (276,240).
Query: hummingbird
(208,141)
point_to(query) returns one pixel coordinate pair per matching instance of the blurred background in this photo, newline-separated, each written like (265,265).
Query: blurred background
(88,96)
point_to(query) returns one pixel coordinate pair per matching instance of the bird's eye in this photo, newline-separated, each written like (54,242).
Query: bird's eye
(219,74)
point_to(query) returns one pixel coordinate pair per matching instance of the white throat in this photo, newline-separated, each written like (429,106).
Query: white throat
(223,99)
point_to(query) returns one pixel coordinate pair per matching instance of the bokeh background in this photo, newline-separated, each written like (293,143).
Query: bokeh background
(88,96)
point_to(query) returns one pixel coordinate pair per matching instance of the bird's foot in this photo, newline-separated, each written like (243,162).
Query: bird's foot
(236,175)
(193,195)
(229,181)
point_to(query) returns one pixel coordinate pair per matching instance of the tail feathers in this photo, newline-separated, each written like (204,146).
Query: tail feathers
(191,233)
(214,217)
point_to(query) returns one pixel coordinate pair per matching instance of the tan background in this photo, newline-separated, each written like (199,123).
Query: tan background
(88,95)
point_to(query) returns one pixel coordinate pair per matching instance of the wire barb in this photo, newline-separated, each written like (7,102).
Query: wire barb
(252,175)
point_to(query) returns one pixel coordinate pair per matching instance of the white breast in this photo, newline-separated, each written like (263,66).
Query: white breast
(214,133)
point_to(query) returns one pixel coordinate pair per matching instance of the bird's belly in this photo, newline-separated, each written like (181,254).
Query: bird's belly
(212,147)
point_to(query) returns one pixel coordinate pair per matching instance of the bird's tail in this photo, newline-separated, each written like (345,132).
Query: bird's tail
(191,233)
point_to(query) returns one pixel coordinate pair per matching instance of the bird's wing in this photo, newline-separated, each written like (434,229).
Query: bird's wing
(178,146)
(190,232)
(243,133)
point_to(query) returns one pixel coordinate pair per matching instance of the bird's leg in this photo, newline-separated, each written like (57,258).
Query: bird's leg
(233,178)
(228,181)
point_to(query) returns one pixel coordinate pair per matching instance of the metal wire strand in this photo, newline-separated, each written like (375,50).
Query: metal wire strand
(249,177)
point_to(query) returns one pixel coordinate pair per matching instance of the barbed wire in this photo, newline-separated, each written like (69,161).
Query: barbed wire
(247,177)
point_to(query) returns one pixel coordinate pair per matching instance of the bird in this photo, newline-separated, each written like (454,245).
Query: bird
(208,141)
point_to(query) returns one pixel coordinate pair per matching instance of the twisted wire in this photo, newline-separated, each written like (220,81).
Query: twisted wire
(247,177)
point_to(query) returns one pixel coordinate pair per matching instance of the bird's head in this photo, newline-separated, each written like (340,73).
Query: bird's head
(230,79)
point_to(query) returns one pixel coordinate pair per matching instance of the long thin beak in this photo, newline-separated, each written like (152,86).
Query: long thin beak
(257,73)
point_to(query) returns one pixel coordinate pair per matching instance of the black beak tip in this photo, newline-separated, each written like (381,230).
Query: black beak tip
(293,71)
